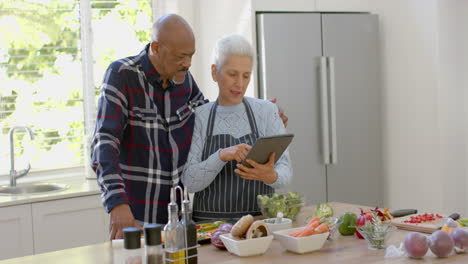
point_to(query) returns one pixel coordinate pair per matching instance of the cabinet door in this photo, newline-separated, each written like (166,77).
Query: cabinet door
(289,47)
(352,40)
(69,223)
(16,231)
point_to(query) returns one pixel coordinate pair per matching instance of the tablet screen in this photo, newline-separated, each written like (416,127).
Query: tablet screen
(264,146)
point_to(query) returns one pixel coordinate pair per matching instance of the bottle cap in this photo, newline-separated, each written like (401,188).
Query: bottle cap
(153,234)
(132,236)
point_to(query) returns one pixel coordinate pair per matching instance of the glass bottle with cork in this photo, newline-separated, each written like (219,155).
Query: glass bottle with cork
(174,234)
(190,231)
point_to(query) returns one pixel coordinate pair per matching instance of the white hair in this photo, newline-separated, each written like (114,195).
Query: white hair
(231,45)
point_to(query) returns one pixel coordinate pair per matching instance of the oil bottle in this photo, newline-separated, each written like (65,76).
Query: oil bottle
(190,230)
(174,234)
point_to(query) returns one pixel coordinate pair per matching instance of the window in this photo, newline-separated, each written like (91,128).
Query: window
(51,68)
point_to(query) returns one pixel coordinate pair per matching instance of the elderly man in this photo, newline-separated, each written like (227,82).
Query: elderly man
(144,126)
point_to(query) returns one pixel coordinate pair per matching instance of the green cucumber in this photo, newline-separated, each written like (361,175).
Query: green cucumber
(463,222)
(403,212)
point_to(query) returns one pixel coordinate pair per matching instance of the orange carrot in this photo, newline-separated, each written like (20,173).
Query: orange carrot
(307,229)
(322,228)
(307,232)
(313,223)
(314,219)
(297,232)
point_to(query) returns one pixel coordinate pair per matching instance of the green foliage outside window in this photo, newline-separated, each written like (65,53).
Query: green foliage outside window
(41,76)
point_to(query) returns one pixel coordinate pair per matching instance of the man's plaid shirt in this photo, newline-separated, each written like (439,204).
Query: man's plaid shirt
(142,136)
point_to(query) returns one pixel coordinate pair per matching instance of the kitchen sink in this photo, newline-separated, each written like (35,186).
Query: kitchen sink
(36,188)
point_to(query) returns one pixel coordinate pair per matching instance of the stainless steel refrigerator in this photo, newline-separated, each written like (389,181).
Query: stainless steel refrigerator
(324,70)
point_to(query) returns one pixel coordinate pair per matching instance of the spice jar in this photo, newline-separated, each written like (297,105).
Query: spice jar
(153,246)
(133,253)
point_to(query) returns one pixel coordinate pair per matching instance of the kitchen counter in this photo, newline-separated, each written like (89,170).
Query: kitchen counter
(78,186)
(342,249)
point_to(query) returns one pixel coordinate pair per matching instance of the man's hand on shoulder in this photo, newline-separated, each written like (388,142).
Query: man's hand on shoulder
(281,112)
(121,216)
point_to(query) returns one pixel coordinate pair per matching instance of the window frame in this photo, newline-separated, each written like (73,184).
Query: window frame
(89,96)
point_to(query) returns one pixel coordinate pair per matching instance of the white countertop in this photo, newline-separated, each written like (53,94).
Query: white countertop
(78,186)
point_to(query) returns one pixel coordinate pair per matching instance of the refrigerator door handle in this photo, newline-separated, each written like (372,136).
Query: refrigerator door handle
(324,110)
(331,83)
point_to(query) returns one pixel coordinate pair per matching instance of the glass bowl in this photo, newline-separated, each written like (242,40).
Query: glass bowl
(289,204)
(377,237)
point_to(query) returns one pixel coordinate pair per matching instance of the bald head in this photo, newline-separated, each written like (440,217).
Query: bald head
(171,27)
(172,47)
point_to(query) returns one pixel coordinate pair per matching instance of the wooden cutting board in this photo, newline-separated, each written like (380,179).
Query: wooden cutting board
(426,227)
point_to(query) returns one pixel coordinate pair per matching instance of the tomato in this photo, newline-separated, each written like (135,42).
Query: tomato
(422,218)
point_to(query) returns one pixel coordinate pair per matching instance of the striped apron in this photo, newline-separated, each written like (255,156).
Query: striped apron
(228,196)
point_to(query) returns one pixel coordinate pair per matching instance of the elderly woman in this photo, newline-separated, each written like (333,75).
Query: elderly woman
(224,132)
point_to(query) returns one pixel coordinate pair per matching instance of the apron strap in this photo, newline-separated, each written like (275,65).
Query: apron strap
(250,115)
(211,119)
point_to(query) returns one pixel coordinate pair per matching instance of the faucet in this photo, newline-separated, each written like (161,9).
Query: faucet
(13,174)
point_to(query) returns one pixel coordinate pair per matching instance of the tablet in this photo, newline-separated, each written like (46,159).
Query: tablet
(264,146)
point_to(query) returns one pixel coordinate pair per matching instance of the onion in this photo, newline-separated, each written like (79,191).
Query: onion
(451,223)
(460,238)
(225,227)
(216,239)
(441,244)
(416,245)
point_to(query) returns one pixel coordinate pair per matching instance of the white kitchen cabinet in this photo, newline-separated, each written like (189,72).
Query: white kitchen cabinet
(69,223)
(16,231)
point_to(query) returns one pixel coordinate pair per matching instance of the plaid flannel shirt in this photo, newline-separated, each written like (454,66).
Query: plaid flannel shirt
(142,137)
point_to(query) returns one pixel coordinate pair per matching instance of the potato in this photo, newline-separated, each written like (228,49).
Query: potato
(441,244)
(416,245)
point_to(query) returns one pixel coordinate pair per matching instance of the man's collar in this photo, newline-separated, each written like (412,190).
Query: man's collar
(150,72)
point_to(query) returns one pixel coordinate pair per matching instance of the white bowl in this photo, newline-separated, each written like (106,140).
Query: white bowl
(285,224)
(246,247)
(300,244)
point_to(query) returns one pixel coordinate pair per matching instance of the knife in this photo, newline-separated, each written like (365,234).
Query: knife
(403,212)
(454,216)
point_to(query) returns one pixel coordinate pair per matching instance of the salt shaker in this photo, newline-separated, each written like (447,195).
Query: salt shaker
(153,246)
(133,253)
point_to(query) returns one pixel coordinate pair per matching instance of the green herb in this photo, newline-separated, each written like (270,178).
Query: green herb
(375,231)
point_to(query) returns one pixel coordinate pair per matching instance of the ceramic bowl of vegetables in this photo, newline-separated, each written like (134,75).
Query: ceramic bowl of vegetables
(247,237)
(289,204)
(308,238)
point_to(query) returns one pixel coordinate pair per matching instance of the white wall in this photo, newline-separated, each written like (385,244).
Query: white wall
(423,103)
(216,19)
(410,120)
(453,87)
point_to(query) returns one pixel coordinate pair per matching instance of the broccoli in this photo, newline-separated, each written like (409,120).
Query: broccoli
(289,204)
